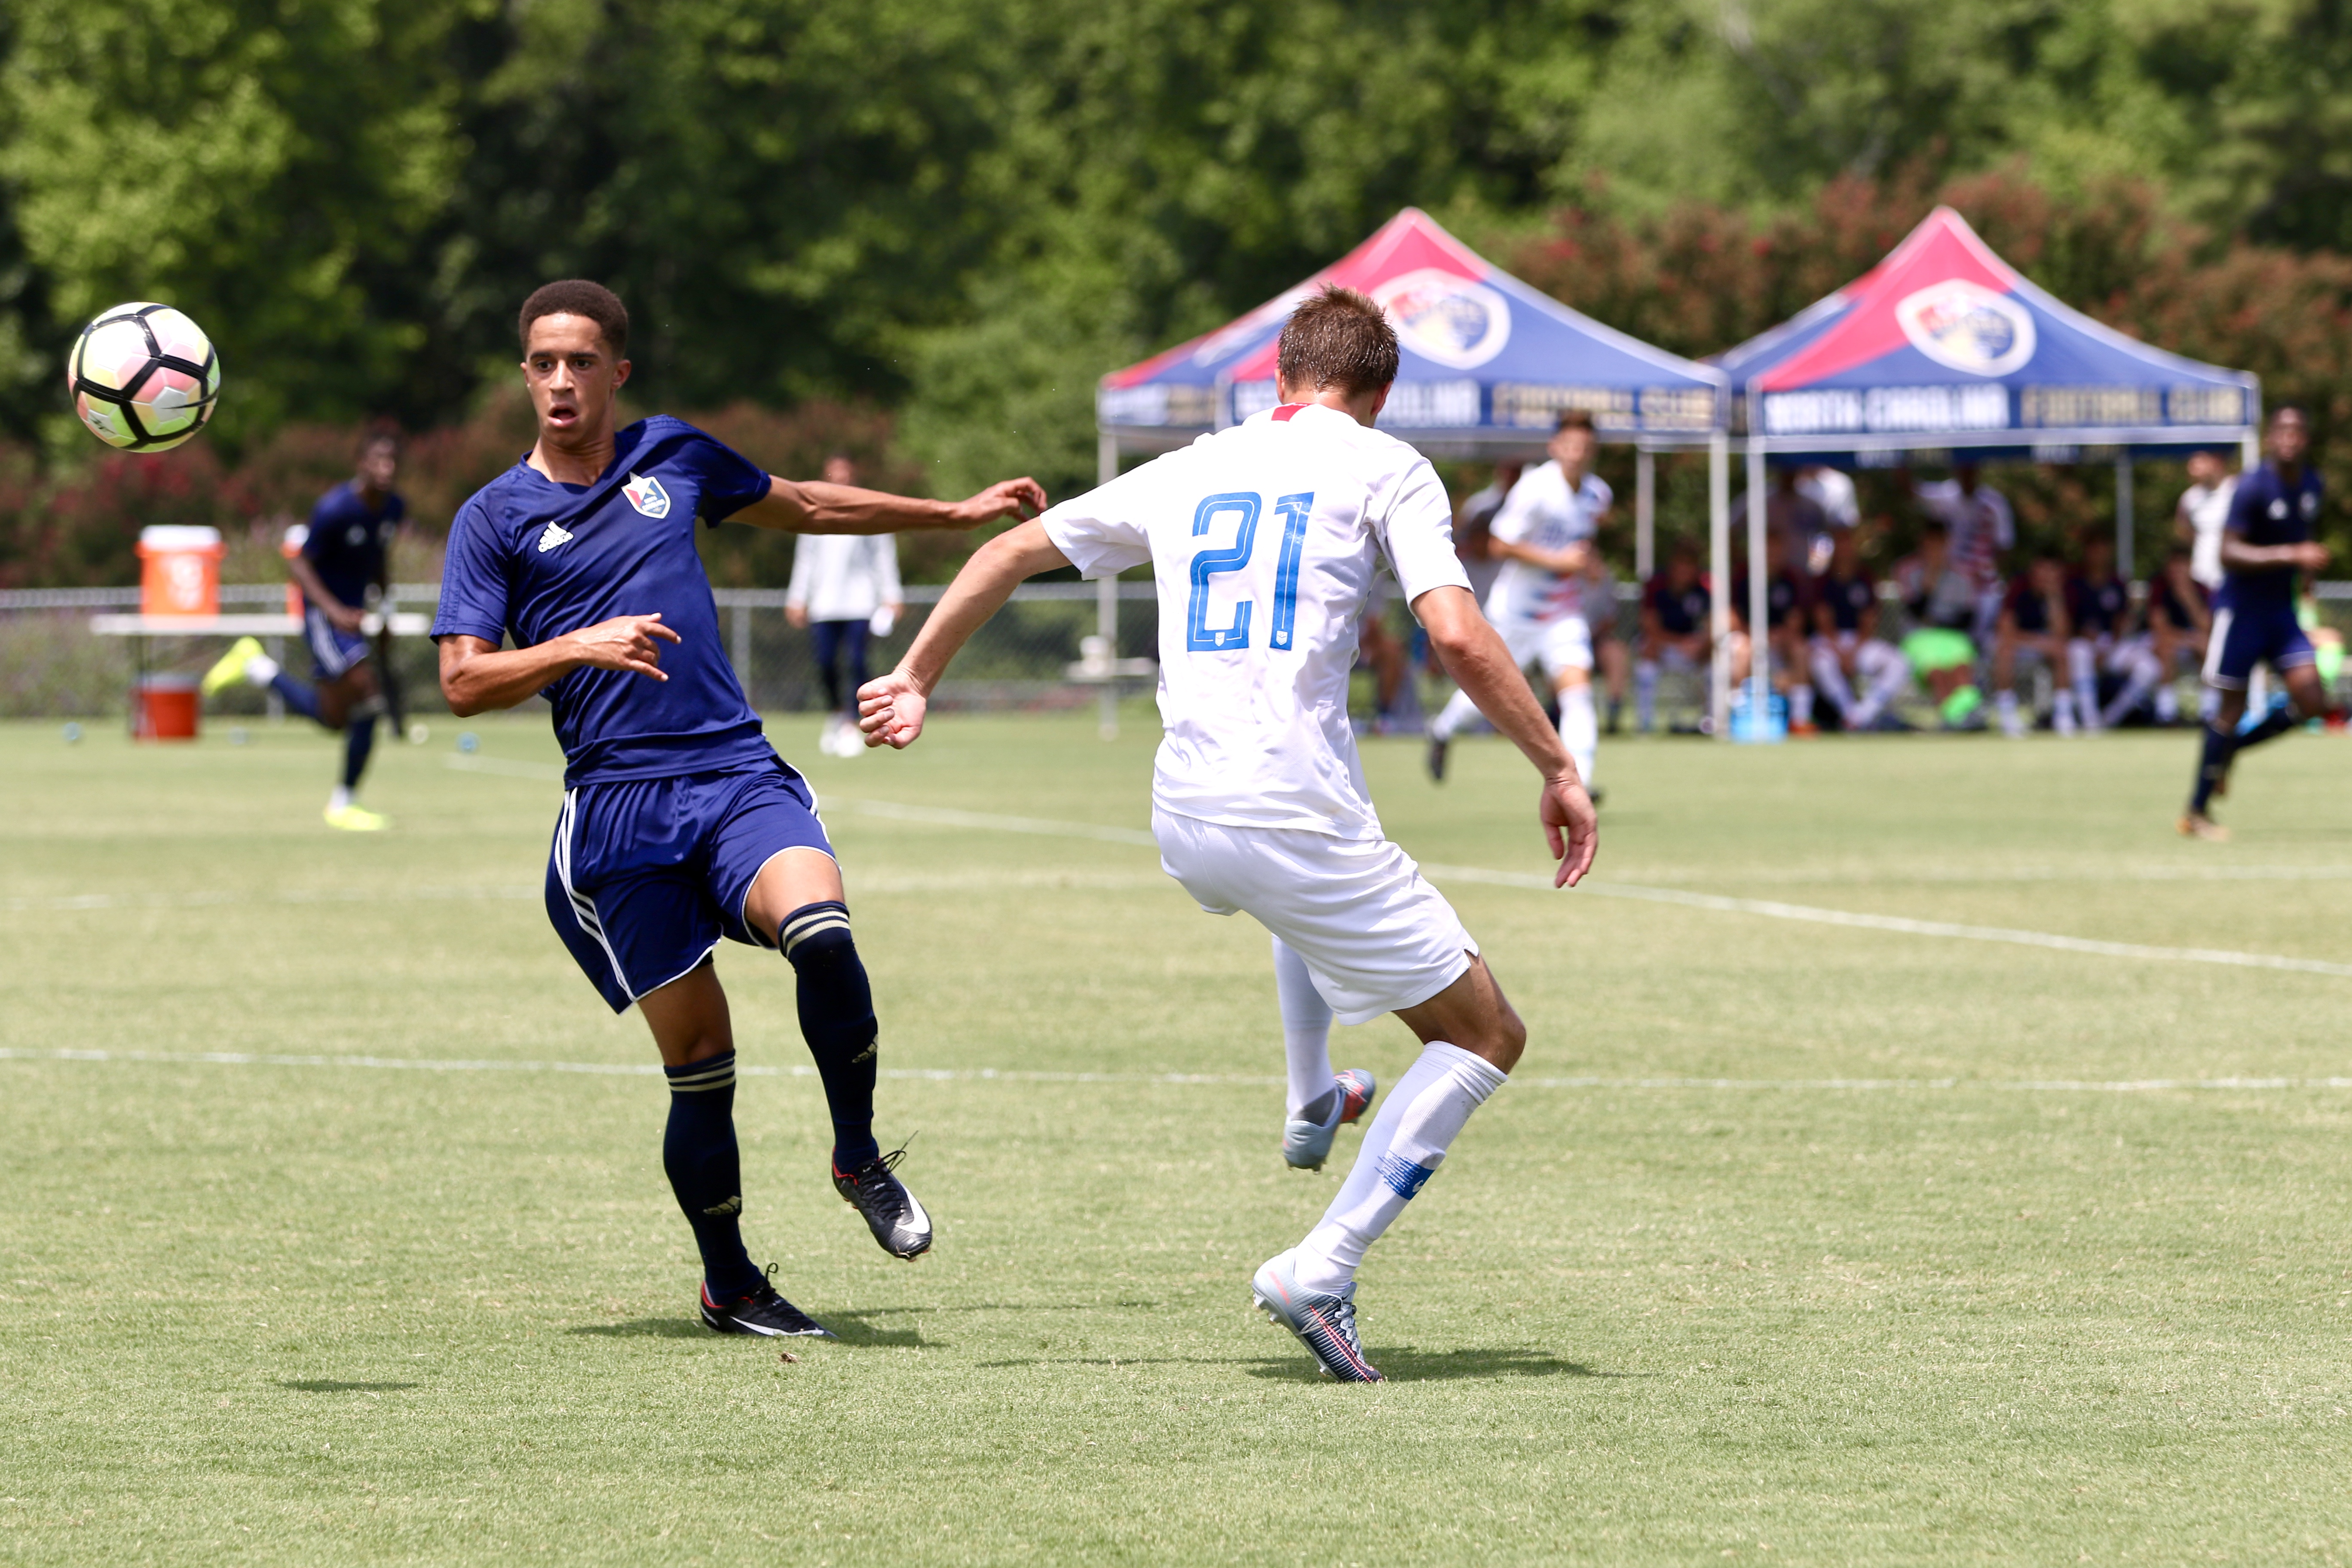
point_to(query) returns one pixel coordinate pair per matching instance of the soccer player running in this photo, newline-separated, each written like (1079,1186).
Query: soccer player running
(2265,543)
(680,825)
(1264,539)
(347,550)
(1543,535)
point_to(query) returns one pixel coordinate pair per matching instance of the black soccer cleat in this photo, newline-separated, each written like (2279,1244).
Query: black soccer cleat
(896,1220)
(1437,747)
(761,1312)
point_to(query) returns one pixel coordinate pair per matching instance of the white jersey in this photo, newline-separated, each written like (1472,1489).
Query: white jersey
(1264,539)
(843,576)
(2208,506)
(1833,491)
(1979,526)
(1543,511)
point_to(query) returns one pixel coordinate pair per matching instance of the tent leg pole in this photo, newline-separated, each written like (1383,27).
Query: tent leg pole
(1106,594)
(2123,522)
(1645,514)
(1718,552)
(1759,592)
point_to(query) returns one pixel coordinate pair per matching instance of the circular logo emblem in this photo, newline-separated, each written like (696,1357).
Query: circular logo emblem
(1966,327)
(1446,317)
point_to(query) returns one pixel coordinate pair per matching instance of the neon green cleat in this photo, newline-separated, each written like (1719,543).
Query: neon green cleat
(356,819)
(232,666)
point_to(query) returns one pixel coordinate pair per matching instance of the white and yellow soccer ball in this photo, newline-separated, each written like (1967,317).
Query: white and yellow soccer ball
(144,377)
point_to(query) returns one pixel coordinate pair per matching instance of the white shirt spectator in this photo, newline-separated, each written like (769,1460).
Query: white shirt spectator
(843,576)
(1980,527)
(1263,540)
(2208,509)
(1831,489)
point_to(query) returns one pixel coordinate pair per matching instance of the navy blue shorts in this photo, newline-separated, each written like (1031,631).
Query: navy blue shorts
(334,651)
(2244,638)
(647,875)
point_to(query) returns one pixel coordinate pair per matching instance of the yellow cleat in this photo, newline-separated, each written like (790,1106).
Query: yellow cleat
(232,666)
(2193,825)
(356,819)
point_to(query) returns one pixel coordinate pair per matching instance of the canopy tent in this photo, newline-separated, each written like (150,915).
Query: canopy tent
(1488,365)
(1944,347)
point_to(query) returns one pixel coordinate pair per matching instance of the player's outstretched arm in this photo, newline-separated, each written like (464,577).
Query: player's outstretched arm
(1475,656)
(890,709)
(476,677)
(816,507)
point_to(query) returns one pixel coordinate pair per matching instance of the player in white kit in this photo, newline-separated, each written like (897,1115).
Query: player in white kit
(1264,539)
(1544,535)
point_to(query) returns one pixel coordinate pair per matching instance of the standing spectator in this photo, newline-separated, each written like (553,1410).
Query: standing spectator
(2098,608)
(1831,489)
(2202,512)
(1794,520)
(1983,530)
(2032,630)
(2180,624)
(1846,646)
(845,587)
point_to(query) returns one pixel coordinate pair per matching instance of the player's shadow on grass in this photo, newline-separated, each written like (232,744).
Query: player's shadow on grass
(329,1385)
(851,1326)
(1406,1364)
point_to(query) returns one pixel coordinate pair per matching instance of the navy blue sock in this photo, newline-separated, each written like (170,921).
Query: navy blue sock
(2212,766)
(359,740)
(699,1154)
(836,1007)
(301,699)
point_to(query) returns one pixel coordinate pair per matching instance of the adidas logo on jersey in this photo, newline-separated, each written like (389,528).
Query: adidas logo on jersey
(552,536)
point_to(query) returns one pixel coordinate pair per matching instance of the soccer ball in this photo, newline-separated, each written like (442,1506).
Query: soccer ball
(144,377)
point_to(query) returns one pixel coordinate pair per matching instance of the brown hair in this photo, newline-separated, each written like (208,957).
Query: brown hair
(1573,419)
(1339,338)
(578,297)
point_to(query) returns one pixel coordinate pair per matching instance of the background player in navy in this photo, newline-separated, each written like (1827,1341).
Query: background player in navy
(681,824)
(2266,542)
(347,552)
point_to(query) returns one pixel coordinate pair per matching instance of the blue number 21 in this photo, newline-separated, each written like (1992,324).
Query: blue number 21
(1294,510)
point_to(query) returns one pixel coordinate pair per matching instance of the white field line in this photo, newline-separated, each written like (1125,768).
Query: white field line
(1008,1075)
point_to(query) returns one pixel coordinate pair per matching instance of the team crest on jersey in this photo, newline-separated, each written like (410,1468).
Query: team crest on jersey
(1446,318)
(1967,327)
(647,495)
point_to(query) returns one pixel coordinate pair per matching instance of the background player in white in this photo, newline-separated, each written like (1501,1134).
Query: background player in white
(2202,512)
(845,588)
(1264,539)
(1543,535)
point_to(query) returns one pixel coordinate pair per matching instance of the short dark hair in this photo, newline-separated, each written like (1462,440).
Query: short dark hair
(578,297)
(378,431)
(1339,338)
(1573,419)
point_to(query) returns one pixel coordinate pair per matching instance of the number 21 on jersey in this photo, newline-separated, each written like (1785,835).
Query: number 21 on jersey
(1244,506)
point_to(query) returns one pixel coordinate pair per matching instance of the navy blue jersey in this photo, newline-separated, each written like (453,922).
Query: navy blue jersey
(2267,510)
(1849,599)
(2029,607)
(1785,598)
(2098,609)
(538,559)
(349,538)
(2164,602)
(1680,611)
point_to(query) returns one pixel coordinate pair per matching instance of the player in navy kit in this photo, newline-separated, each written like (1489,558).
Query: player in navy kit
(680,825)
(347,552)
(2265,543)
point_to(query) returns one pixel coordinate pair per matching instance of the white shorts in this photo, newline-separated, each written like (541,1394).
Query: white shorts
(1563,642)
(1373,933)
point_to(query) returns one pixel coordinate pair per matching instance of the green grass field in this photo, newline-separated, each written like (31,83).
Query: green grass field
(1792,1241)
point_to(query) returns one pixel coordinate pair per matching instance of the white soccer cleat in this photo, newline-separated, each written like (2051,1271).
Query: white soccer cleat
(1324,1320)
(1307,1144)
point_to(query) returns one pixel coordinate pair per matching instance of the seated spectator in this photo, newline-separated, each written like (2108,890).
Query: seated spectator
(2179,622)
(1474,527)
(2099,613)
(1674,631)
(1940,601)
(1597,593)
(1846,648)
(1788,602)
(2031,631)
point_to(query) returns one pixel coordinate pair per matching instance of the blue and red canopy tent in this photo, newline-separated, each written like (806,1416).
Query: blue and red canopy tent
(1945,348)
(1487,366)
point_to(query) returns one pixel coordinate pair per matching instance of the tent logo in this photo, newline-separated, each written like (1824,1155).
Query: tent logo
(1446,317)
(1964,326)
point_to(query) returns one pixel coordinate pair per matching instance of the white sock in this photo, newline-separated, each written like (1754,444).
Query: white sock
(260,669)
(1458,710)
(1579,730)
(340,798)
(2168,703)
(1305,1028)
(1645,696)
(1801,705)
(1406,1142)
